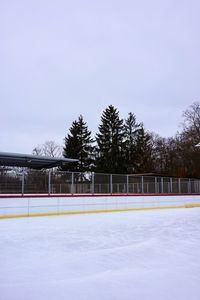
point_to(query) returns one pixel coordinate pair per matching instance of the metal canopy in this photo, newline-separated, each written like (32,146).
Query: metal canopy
(32,161)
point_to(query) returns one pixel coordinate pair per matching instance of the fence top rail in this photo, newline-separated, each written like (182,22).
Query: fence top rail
(94,195)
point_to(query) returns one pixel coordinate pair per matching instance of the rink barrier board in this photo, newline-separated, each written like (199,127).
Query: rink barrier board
(97,211)
(15,206)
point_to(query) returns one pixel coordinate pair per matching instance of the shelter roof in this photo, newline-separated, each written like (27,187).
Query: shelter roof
(32,161)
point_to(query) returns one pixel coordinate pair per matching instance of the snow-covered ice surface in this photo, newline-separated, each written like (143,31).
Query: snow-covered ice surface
(130,255)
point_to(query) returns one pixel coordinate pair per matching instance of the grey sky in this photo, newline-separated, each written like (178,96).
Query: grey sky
(60,59)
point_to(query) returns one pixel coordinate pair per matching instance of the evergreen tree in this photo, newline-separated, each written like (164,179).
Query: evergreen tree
(78,144)
(131,131)
(143,151)
(110,143)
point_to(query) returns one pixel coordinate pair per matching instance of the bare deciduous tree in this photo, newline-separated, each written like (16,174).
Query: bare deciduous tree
(49,148)
(192,119)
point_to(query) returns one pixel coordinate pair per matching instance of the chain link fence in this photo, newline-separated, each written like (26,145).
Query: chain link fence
(56,182)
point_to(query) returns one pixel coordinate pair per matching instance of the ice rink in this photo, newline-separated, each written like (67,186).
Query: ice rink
(126,255)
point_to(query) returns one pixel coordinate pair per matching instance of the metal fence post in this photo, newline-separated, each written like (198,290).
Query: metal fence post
(142,185)
(171,185)
(49,183)
(189,186)
(161,181)
(127,184)
(23,177)
(111,184)
(72,185)
(92,182)
(179,185)
(156,187)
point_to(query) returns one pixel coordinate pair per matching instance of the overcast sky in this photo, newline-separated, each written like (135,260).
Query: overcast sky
(60,59)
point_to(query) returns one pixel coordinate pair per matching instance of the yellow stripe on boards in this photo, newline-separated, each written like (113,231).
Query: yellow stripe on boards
(97,211)
(191,205)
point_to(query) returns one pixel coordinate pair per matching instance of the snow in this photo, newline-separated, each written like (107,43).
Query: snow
(120,256)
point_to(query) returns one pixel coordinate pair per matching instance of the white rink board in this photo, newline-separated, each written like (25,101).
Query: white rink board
(69,204)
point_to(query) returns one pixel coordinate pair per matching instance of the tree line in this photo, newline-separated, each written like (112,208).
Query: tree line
(124,146)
